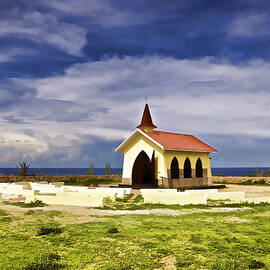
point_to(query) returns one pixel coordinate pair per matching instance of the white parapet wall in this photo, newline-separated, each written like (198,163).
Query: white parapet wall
(46,188)
(77,199)
(201,191)
(170,197)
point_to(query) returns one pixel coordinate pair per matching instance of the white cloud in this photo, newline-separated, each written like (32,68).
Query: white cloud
(10,54)
(100,11)
(45,28)
(200,97)
(250,25)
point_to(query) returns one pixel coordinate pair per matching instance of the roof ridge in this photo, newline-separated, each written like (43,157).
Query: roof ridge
(174,133)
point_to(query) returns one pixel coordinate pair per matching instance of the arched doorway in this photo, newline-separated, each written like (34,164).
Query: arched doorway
(187,168)
(174,169)
(141,172)
(199,169)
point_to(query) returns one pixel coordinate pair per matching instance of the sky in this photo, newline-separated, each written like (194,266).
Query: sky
(74,75)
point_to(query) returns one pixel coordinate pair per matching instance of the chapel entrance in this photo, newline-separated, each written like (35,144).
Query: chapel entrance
(142,170)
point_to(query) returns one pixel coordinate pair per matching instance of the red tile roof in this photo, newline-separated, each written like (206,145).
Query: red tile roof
(176,141)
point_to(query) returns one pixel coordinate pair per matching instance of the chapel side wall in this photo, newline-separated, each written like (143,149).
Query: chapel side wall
(193,156)
(140,143)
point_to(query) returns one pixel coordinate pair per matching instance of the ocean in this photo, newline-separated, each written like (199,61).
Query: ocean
(101,171)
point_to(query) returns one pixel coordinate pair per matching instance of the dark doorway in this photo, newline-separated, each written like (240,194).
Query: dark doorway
(187,168)
(199,169)
(141,172)
(174,169)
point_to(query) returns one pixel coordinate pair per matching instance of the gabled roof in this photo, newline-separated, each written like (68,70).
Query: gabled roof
(171,141)
(179,142)
(146,119)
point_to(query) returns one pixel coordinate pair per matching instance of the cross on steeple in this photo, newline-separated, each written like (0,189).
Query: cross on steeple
(146,98)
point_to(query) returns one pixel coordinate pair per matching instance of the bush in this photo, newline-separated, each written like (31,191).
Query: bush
(108,169)
(49,229)
(23,168)
(113,230)
(47,262)
(256,265)
(32,204)
(91,169)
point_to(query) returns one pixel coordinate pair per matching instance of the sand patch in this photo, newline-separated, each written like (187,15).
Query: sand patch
(83,211)
(250,191)
(236,219)
(78,220)
(168,263)
(225,209)
(265,214)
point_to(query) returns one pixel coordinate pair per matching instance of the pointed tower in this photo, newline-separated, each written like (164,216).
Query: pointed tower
(146,123)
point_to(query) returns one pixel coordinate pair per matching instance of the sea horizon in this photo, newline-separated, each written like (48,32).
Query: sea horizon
(216,171)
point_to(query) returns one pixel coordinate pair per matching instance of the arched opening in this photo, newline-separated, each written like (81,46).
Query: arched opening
(187,168)
(174,169)
(199,169)
(141,172)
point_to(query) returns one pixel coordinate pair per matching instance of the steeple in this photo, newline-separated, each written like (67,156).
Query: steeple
(146,122)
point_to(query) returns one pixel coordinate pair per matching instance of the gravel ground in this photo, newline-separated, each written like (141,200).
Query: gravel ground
(250,191)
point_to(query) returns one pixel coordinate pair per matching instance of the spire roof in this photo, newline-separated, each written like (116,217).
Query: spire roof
(146,119)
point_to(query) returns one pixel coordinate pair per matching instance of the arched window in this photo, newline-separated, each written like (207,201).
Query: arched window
(174,169)
(187,168)
(199,169)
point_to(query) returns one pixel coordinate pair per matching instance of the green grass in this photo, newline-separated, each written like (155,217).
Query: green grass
(92,181)
(137,204)
(32,204)
(249,182)
(221,240)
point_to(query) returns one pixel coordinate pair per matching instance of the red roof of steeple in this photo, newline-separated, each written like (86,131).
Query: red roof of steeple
(146,119)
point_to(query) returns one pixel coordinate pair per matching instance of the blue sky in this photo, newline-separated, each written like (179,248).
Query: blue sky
(74,74)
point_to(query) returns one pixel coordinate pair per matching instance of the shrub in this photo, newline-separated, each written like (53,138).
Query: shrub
(36,203)
(108,169)
(91,169)
(46,262)
(32,204)
(23,168)
(49,229)
(113,230)
(256,265)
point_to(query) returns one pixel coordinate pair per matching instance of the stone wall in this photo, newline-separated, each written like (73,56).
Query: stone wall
(239,179)
(50,179)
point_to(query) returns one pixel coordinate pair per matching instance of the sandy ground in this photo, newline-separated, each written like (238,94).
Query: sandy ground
(83,211)
(250,191)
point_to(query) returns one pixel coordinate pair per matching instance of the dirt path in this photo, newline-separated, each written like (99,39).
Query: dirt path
(250,191)
(82,211)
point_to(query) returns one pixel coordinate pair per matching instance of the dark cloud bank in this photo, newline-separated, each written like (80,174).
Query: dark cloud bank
(73,75)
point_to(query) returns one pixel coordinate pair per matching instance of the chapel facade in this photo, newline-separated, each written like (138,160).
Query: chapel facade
(154,158)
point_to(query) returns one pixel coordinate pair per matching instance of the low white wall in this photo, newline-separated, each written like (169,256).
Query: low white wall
(202,191)
(174,198)
(87,200)
(168,196)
